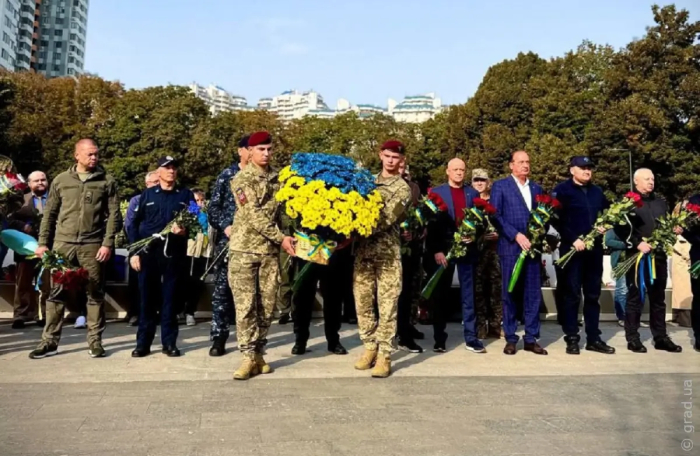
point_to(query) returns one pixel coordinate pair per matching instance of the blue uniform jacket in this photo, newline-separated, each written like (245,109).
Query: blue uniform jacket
(157,208)
(512,214)
(222,205)
(578,213)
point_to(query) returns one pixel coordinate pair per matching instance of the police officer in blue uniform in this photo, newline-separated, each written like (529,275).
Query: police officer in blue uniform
(582,202)
(162,263)
(221,212)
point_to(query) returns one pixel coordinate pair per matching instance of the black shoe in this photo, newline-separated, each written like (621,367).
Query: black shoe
(171,351)
(439,347)
(667,344)
(218,347)
(140,352)
(409,345)
(337,349)
(299,348)
(572,347)
(416,334)
(284,319)
(96,350)
(43,350)
(636,346)
(600,347)
(535,348)
(41,323)
(697,346)
(18,324)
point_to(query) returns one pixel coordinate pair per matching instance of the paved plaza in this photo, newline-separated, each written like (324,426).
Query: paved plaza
(458,403)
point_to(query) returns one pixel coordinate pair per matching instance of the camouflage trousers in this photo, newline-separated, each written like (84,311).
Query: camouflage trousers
(487,292)
(246,273)
(383,277)
(222,310)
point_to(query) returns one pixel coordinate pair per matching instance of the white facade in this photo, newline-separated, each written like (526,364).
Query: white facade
(415,109)
(9,28)
(219,100)
(62,32)
(293,104)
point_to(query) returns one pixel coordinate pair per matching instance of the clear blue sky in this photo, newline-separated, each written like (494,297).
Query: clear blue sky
(364,51)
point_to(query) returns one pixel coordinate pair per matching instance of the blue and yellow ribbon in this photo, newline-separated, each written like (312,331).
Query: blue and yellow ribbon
(325,248)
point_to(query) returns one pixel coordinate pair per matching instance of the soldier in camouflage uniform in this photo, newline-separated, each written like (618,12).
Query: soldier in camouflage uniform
(487,283)
(378,267)
(221,210)
(254,252)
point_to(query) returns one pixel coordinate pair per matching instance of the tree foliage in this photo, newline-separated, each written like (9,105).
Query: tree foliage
(642,101)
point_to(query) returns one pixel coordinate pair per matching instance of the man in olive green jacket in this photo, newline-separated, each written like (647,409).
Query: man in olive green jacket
(81,219)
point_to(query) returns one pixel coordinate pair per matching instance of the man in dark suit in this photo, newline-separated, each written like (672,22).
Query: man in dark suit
(693,236)
(514,198)
(458,197)
(27,220)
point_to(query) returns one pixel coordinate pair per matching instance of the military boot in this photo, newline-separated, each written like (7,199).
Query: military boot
(382,368)
(248,368)
(263,367)
(367,360)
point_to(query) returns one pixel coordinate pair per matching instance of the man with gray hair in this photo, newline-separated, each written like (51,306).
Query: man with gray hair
(644,221)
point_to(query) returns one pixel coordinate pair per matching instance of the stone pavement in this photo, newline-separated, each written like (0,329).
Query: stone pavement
(457,403)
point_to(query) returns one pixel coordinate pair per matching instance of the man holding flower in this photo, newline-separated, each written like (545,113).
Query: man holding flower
(581,203)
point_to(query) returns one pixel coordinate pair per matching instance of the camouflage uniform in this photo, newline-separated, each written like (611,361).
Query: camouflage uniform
(254,259)
(487,292)
(378,268)
(221,211)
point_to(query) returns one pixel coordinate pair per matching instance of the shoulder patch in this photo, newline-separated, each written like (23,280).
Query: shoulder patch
(240,196)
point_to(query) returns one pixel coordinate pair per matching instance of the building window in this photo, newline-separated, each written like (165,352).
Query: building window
(70,71)
(73,36)
(5,54)
(6,38)
(59,21)
(58,44)
(56,68)
(44,43)
(71,59)
(42,67)
(8,22)
(58,33)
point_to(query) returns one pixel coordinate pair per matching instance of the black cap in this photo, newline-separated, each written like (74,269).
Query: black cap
(582,162)
(167,160)
(244,141)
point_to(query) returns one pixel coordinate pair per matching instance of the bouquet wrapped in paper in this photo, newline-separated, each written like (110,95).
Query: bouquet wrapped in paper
(330,200)
(188,218)
(474,226)
(616,214)
(12,187)
(540,215)
(662,239)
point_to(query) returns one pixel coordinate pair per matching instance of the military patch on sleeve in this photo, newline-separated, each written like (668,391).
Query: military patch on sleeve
(240,196)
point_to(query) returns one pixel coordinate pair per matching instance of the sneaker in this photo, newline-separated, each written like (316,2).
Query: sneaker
(43,350)
(439,347)
(133,321)
(284,319)
(409,345)
(80,323)
(643,324)
(190,321)
(96,350)
(18,324)
(476,346)
(621,323)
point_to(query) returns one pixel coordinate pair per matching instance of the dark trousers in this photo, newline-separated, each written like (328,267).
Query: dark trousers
(465,272)
(410,264)
(585,270)
(303,300)
(193,285)
(439,302)
(134,295)
(657,301)
(158,282)
(223,313)
(695,311)
(528,292)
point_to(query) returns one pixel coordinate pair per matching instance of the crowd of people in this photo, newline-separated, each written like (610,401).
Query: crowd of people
(375,280)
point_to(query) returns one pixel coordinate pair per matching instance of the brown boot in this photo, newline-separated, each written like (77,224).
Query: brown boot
(248,368)
(494,333)
(367,360)
(382,368)
(263,367)
(482,332)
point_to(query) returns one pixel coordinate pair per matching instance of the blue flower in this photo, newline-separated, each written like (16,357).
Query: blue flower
(335,170)
(194,208)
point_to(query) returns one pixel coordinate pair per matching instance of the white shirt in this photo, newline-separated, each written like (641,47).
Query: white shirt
(525,191)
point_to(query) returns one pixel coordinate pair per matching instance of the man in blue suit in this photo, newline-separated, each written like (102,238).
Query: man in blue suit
(458,197)
(513,198)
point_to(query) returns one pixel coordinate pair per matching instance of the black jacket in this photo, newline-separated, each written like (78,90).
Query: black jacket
(579,210)
(644,220)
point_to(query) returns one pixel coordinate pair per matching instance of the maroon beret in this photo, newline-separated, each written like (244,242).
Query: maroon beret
(394,146)
(258,138)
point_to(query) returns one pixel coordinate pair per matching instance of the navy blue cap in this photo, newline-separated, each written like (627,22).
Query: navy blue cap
(582,162)
(244,141)
(165,161)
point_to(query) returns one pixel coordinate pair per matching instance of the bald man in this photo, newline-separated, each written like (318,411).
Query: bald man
(80,222)
(644,221)
(458,198)
(514,198)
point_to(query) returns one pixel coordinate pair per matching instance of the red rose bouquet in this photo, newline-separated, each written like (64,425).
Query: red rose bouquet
(62,273)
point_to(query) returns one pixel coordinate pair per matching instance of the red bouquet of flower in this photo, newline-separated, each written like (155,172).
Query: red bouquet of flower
(11,185)
(616,214)
(62,273)
(536,230)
